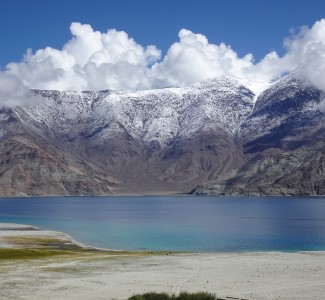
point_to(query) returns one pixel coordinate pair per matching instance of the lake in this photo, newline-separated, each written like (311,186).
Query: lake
(205,224)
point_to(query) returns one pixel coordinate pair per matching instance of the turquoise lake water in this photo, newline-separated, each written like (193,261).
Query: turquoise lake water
(205,224)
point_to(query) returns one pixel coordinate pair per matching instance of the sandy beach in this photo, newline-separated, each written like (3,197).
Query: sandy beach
(119,275)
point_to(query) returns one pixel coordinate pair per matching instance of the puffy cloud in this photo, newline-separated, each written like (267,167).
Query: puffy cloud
(14,92)
(89,61)
(92,60)
(193,59)
(306,50)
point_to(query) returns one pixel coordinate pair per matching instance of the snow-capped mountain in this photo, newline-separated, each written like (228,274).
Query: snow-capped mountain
(285,116)
(152,116)
(154,141)
(145,141)
(284,141)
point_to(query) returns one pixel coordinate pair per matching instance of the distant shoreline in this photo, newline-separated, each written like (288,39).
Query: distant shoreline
(164,195)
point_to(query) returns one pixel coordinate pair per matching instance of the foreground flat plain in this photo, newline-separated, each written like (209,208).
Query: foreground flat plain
(79,273)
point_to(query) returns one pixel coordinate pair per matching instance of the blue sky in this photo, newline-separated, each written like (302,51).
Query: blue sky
(138,45)
(248,26)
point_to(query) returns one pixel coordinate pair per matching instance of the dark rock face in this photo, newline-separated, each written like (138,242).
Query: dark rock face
(198,158)
(33,164)
(297,172)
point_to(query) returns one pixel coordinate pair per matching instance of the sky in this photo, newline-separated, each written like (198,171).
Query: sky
(134,44)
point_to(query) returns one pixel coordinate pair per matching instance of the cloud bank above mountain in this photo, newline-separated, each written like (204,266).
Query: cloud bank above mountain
(92,60)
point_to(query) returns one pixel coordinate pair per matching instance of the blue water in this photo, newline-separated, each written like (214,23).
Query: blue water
(205,224)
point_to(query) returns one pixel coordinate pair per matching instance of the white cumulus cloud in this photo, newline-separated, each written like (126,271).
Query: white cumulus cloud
(193,59)
(14,92)
(93,60)
(306,50)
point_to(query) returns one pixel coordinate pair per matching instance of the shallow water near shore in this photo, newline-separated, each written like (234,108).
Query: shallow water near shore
(198,224)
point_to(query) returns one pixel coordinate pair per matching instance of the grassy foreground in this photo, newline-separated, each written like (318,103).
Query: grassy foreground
(6,254)
(181,296)
(44,247)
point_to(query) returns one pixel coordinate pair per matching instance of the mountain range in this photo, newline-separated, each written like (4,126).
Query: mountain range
(213,137)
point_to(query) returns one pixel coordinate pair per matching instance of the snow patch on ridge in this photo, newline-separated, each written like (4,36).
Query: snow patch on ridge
(159,115)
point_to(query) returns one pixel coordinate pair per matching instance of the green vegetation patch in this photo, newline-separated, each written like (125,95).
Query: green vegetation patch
(33,247)
(42,242)
(181,296)
(29,253)
(38,247)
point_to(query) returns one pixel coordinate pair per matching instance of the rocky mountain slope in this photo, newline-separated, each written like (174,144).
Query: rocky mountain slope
(283,140)
(285,116)
(33,162)
(210,137)
(156,141)
(297,172)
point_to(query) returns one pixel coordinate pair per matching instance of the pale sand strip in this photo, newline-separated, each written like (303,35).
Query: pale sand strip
(19,230)
(247,275)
